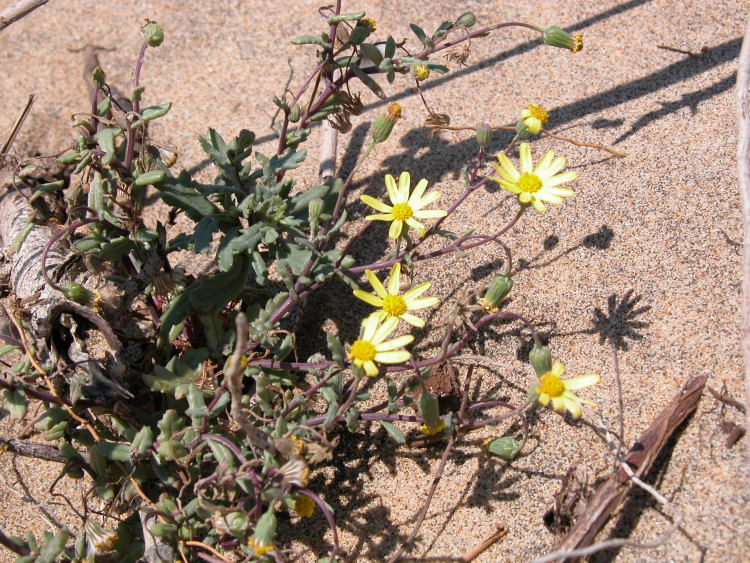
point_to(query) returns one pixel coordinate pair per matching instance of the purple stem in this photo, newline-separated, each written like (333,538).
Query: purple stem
(130,147)
(57,236)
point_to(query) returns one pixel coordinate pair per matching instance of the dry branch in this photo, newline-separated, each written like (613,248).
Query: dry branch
(743,172)
(19,10)
(640,458)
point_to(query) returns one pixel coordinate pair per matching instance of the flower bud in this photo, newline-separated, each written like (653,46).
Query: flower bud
(76,292)
(294,113)
(506,448)
(154,33)
(420,71)
(262,540)
(237,523)
(314,209)
(558,37)
(540,358)
(499,287)
(484,135)
(383,125)
(429,409)
(467,19)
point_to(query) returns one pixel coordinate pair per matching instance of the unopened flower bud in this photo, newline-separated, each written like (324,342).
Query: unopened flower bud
(467,19)
(429,409)
(499,287)
(76,292)
(383,125)
(484,135)
(558,37)
(294,113)
(420,71)
(506,448)
(154,33)
(262,540)
(314,209)
(540,358)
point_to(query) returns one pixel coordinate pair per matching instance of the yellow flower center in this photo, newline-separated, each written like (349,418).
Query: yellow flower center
(362,350)
(551,385)
(394,305)
(529,183)
(538,112)
(403,211)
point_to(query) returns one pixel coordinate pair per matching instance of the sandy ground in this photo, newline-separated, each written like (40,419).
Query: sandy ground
(650,241)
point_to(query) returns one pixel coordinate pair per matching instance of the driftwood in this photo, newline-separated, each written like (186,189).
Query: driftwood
(18,10)
(639,458)
(743,173)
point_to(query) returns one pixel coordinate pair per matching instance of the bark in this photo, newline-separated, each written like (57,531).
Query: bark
(640,458)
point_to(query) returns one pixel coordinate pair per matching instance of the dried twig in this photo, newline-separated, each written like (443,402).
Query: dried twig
(743,171)
(639,460)
(17,125)
(19,10)
(477,550)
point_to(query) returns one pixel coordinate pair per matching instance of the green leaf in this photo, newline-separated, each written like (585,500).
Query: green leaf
(368,81)
(53,547)
(345,17)
(310,40)
(116,249)
(372,53)
(214,146)
(237,243)
(394,431)
(419,32)
(15,400)
(180,192)
(150,177)
(203,234)
(105,138)
(390,47)
(43,189)
(152,112)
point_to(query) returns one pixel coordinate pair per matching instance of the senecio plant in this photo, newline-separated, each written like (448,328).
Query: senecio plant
(201,440)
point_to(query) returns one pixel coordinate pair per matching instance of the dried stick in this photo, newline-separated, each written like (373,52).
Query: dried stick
(17,125)
(19,10)
(640,458)
(477,550)
(37,450)
(743,172)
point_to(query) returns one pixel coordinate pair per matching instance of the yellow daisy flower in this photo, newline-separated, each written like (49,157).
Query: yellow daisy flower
(534,186)
(406,208)
(553,389)
(534,116)
(392,304)
(371,347)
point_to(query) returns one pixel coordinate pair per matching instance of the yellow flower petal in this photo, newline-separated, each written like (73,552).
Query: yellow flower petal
(375,283)
(394,279)
(375,203)
(369,298)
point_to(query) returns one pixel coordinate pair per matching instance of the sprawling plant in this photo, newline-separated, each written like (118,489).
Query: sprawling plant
(196,421)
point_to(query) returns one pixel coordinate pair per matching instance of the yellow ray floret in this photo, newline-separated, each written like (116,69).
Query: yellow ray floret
(372,348)
(390,303)
(406,208)
(534,186)
(553,389)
